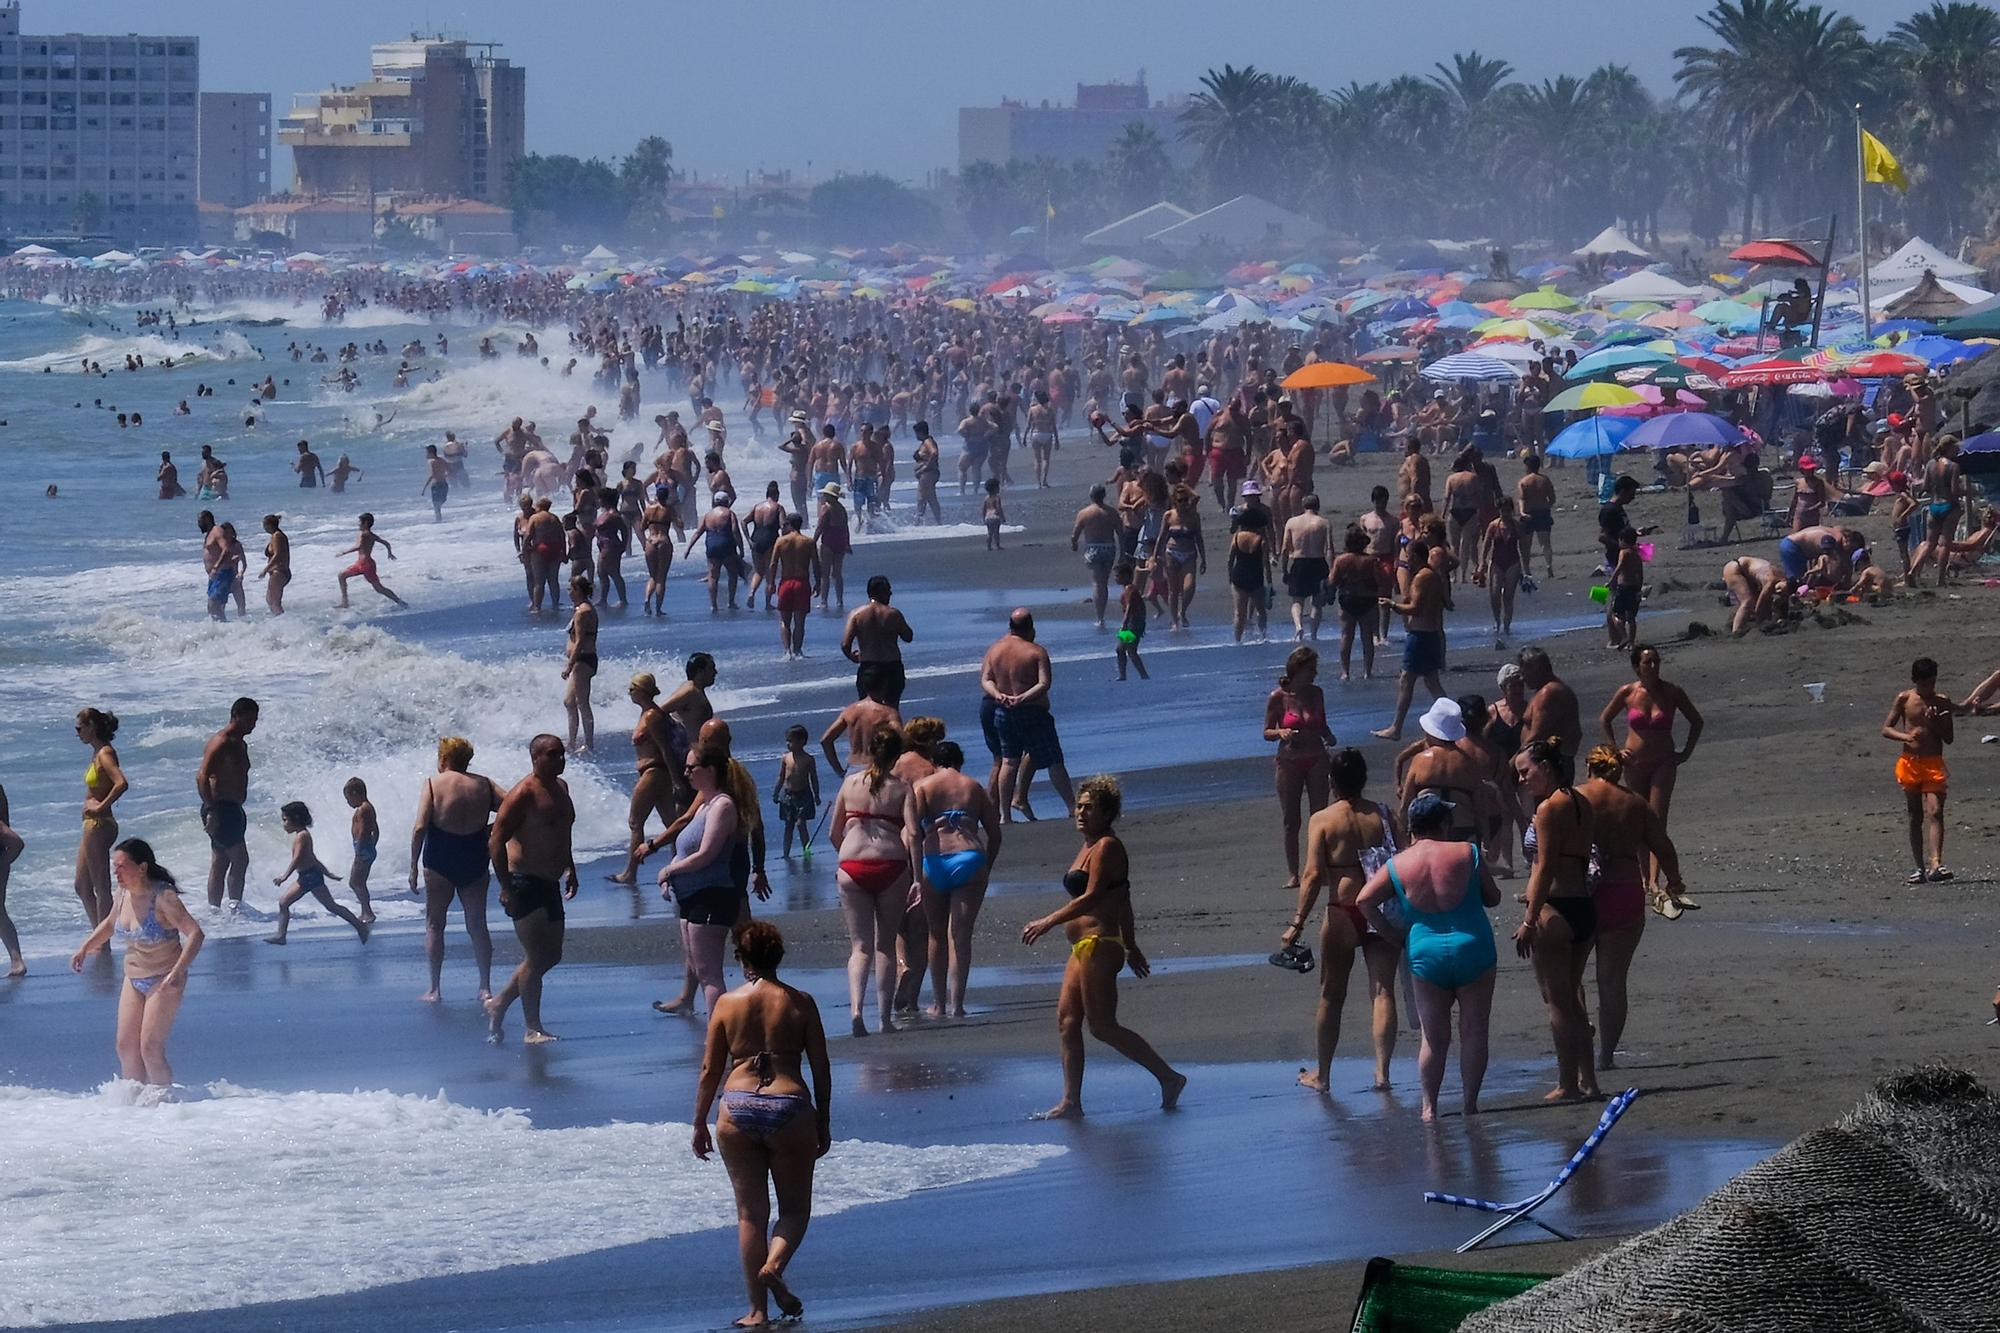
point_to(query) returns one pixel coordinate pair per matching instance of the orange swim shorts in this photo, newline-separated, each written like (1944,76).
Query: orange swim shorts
(1921,773)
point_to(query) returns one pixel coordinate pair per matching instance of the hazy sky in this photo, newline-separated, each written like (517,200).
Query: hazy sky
(739,84)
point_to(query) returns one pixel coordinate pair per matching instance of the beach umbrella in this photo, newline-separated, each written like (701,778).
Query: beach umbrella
(1326,375)
(1882,365)
(1470,366)
(1989,443)
(1162,314)
(1392,353)
(1675,376)
(1513,353)
(1770,371)
(1544,298)
(1584,397)
(1405,307)
(962,303)
(1676,430)
(1593,437)
(1939,351)
(1606,360)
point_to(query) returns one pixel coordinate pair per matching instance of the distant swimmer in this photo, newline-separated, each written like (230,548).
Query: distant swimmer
(363,552)
(530,848)
(169,478)
(307,465)
(277,570)
(437,481)
(343,471)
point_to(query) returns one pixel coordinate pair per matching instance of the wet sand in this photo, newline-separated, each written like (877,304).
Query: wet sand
(1810,971)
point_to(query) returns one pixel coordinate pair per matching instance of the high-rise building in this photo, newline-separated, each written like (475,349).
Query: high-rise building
(235,148)
(1020,131)
(98,133)
(435,117)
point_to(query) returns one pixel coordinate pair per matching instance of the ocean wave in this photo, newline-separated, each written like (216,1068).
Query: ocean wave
(110,350)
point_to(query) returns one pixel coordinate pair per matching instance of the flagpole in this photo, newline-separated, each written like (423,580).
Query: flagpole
(1861,221)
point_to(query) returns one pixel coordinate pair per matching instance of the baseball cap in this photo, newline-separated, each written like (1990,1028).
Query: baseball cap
(1426,805)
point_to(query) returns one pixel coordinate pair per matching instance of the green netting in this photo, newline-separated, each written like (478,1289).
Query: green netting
(1401,1298)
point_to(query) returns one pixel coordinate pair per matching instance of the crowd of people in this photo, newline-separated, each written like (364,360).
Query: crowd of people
(1496,785)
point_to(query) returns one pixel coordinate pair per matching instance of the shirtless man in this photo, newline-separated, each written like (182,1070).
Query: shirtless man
(866,463)
(797,449)
(1302,551)
(828,461)
(1920,720)
(873,640)
(859,722)
(542,543)
(530,848)
(363,552)
(1423,635)
(437,481)
(222,781)
(1414,476)
(1537,497)
(1228,452)
(795,567)
(307,465)
(975,435)
(1552,708)
(1096,529)
(1383,532)
(1015,678)
(169,478)
(277,565)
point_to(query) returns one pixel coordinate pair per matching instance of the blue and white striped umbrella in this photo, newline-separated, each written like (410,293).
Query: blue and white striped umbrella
(1470,366)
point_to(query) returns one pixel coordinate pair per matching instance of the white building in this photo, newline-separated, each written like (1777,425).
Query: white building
(98,133)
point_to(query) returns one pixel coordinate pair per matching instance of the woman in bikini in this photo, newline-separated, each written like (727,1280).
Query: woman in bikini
(580,665)
(1560,923)
(960,827)
(1441,889)
(1627,830)
(1357,590)
(1098,922)
(448,843)
(161,941)
(1182,553)
(1249,576)
(654,791)
(874,824)
(1500,568)
(656,540)
(770,1131)
(1649,705)
(103,783)
(1295,717)
(1346,844)
(831,532)
(613,535)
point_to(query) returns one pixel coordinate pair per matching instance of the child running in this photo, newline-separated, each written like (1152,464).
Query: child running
(312,875)
(995,513)
(366,833)
(1133,628)
(796,791)
(363,552)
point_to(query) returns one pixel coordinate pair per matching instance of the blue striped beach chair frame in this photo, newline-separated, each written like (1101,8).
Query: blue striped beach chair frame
(1520,1210)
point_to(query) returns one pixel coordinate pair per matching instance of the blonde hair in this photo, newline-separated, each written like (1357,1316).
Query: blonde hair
(1605,761)
(455,753)
(643,683)
(921,733)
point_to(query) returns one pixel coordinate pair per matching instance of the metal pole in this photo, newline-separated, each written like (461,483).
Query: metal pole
(1825,263)
(1861,222)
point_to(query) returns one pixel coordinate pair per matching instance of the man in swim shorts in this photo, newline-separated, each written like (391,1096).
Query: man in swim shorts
(1920,720)
(1423,635)
(873,641)
(795,565)
(1302,550)
(1017,675)
(222,781)
(1096,530)
(533,861)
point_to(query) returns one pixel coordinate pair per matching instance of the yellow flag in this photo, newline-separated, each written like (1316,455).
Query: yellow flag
(1052,208)
(1879,165)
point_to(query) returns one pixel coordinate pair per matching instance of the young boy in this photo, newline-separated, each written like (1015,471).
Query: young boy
(363,552)
(1628,573)
(994,512)
(1920,721)
(1133,627)
(797,789)
(366,833)
(312,875)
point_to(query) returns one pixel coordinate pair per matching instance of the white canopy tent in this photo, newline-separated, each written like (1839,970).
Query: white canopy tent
(1610,243)
(1907,265)
(1649,286)
(33,252)
(601,255)
(1136,227)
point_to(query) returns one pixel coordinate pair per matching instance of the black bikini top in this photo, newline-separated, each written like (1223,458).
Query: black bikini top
(1075,882)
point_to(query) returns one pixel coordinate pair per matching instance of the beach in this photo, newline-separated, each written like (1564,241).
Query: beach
(1810,970)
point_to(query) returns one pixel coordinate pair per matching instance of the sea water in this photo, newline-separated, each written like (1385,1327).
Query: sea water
(237,1196)
(103,603)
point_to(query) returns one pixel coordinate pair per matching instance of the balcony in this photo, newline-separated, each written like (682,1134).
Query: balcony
(309,133)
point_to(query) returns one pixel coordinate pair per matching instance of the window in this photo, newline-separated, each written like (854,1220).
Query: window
(8,98)
(152,48)
(64,71)
(147,197)
(93,123)
(62,122)
(180,99)
(34,99)
(93,99)
(10,71)
(34,173)
(93,74)
(121,99)
(179,196)
(152,122)
(121,122)
(34,71)
(62,173)
(183,48)
(151,99)
(6,172)
(123,74)
(34,122)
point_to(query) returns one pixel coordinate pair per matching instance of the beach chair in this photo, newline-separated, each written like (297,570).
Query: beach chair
(1406,1298)
(1520,1210)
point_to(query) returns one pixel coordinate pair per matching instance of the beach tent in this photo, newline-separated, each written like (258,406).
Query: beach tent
(1963,291)
(33,252)
(1611,243)
(113,257)
(1243,223)
(1907,265)
(1648,286)
(1927,300)
(600,255)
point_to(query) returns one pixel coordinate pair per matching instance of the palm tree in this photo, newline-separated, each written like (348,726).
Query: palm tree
(1138,165)
(1950,57)
(1780,88)
(1555,132)
(1472,79)
(1231,122)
